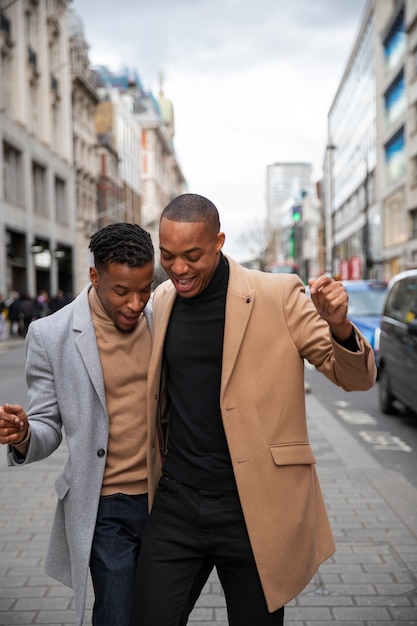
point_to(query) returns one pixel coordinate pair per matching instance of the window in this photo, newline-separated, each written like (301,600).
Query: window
(395,43)
(402,301)
(413,216)
(31,29)
(60,204)
(39,189)
(395,157)
(33,107)
(12,175)
(395,231)
(413,172)
(5,92)
(6,70)
(395,99)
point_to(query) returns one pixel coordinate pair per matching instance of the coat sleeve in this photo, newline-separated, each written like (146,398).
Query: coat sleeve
(43,412)
(353,371)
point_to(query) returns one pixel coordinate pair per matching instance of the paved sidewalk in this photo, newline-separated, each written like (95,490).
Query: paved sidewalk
(11,342)
(370,581)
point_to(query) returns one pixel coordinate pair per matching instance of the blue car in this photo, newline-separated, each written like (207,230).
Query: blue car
(366,301)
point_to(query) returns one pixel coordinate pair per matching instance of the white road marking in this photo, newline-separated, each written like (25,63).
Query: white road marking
(384,441)
(357,417)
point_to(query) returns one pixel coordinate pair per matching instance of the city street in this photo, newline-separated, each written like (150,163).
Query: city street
(370,581)
(390,439)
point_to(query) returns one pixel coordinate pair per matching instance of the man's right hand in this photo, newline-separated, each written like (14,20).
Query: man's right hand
(14,424)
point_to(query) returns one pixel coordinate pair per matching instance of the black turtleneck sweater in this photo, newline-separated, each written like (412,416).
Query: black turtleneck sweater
(197,450)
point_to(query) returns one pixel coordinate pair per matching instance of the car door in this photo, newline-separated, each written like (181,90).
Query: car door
(393,331)
(409,343)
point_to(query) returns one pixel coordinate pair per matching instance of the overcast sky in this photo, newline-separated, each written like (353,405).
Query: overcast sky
(251,82)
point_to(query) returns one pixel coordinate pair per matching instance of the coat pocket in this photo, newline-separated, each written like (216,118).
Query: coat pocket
(61,486)
(292,454)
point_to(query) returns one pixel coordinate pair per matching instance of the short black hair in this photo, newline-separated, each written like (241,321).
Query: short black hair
(124,243)
(191,207)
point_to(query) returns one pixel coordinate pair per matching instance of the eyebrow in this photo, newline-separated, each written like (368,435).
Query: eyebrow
(118,286)
(196,249)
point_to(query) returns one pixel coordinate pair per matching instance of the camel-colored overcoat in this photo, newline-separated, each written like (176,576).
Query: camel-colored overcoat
(271,326)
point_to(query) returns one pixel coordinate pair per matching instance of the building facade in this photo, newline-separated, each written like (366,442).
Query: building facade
(141,130)
(79,148)
(162,177)
(37,218)
(84,100)
(370,163)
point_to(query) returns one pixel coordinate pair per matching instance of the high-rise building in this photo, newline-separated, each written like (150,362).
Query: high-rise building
(285,182)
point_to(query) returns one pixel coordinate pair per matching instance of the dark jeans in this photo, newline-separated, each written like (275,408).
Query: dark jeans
(189,532)
(114,555)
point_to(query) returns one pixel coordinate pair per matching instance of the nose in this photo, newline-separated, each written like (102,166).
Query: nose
(179,266)
(136,303)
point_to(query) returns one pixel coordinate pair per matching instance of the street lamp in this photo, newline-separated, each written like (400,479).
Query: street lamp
(328,216)
(367,260)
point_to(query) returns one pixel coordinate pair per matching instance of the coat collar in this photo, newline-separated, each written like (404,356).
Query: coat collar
(239,304)
(86,341)
(82,310)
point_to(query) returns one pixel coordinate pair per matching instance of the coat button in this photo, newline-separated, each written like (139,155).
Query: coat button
(101,452)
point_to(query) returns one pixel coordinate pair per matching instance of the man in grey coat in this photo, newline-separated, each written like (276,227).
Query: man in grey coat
(86,370)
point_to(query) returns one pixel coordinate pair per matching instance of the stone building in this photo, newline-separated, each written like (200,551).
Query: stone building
(37,203)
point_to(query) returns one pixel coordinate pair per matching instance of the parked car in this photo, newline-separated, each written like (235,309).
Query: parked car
(283,268)
(398,344)
(366,300)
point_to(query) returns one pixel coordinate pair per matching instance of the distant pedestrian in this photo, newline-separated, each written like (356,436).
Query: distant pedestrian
(42,305)
(3,318)
(13,305)
(28,312)
(58,301)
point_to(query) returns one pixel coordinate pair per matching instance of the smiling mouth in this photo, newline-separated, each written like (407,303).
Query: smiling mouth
(184,284)
(130,319)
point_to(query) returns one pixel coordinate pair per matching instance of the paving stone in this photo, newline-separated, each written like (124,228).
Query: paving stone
(370,581)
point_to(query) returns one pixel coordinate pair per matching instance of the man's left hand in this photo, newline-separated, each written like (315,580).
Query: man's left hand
(331,301)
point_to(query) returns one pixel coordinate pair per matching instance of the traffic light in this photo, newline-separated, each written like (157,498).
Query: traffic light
(296,213)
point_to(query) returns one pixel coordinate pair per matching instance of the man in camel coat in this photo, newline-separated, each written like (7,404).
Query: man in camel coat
(226,405)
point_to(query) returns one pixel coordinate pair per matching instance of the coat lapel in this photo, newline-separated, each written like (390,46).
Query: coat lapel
(162,313)
(240,300)
(86,343)
(239,304)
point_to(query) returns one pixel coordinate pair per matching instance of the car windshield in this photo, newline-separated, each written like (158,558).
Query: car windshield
(366,302)
(283,269)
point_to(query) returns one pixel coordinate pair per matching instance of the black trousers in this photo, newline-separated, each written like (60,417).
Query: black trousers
(189,532)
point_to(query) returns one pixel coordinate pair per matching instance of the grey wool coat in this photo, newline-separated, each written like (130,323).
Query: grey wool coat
(66,390)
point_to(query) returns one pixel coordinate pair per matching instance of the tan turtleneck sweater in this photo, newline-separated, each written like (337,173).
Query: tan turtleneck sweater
(124,360)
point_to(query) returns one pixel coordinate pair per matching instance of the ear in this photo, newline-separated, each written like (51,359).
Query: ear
(220,239)
(94,276)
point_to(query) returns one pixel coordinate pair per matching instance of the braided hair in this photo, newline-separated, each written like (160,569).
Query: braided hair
(125,243)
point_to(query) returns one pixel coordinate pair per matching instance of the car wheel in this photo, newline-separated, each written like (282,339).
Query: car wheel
(385,396)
